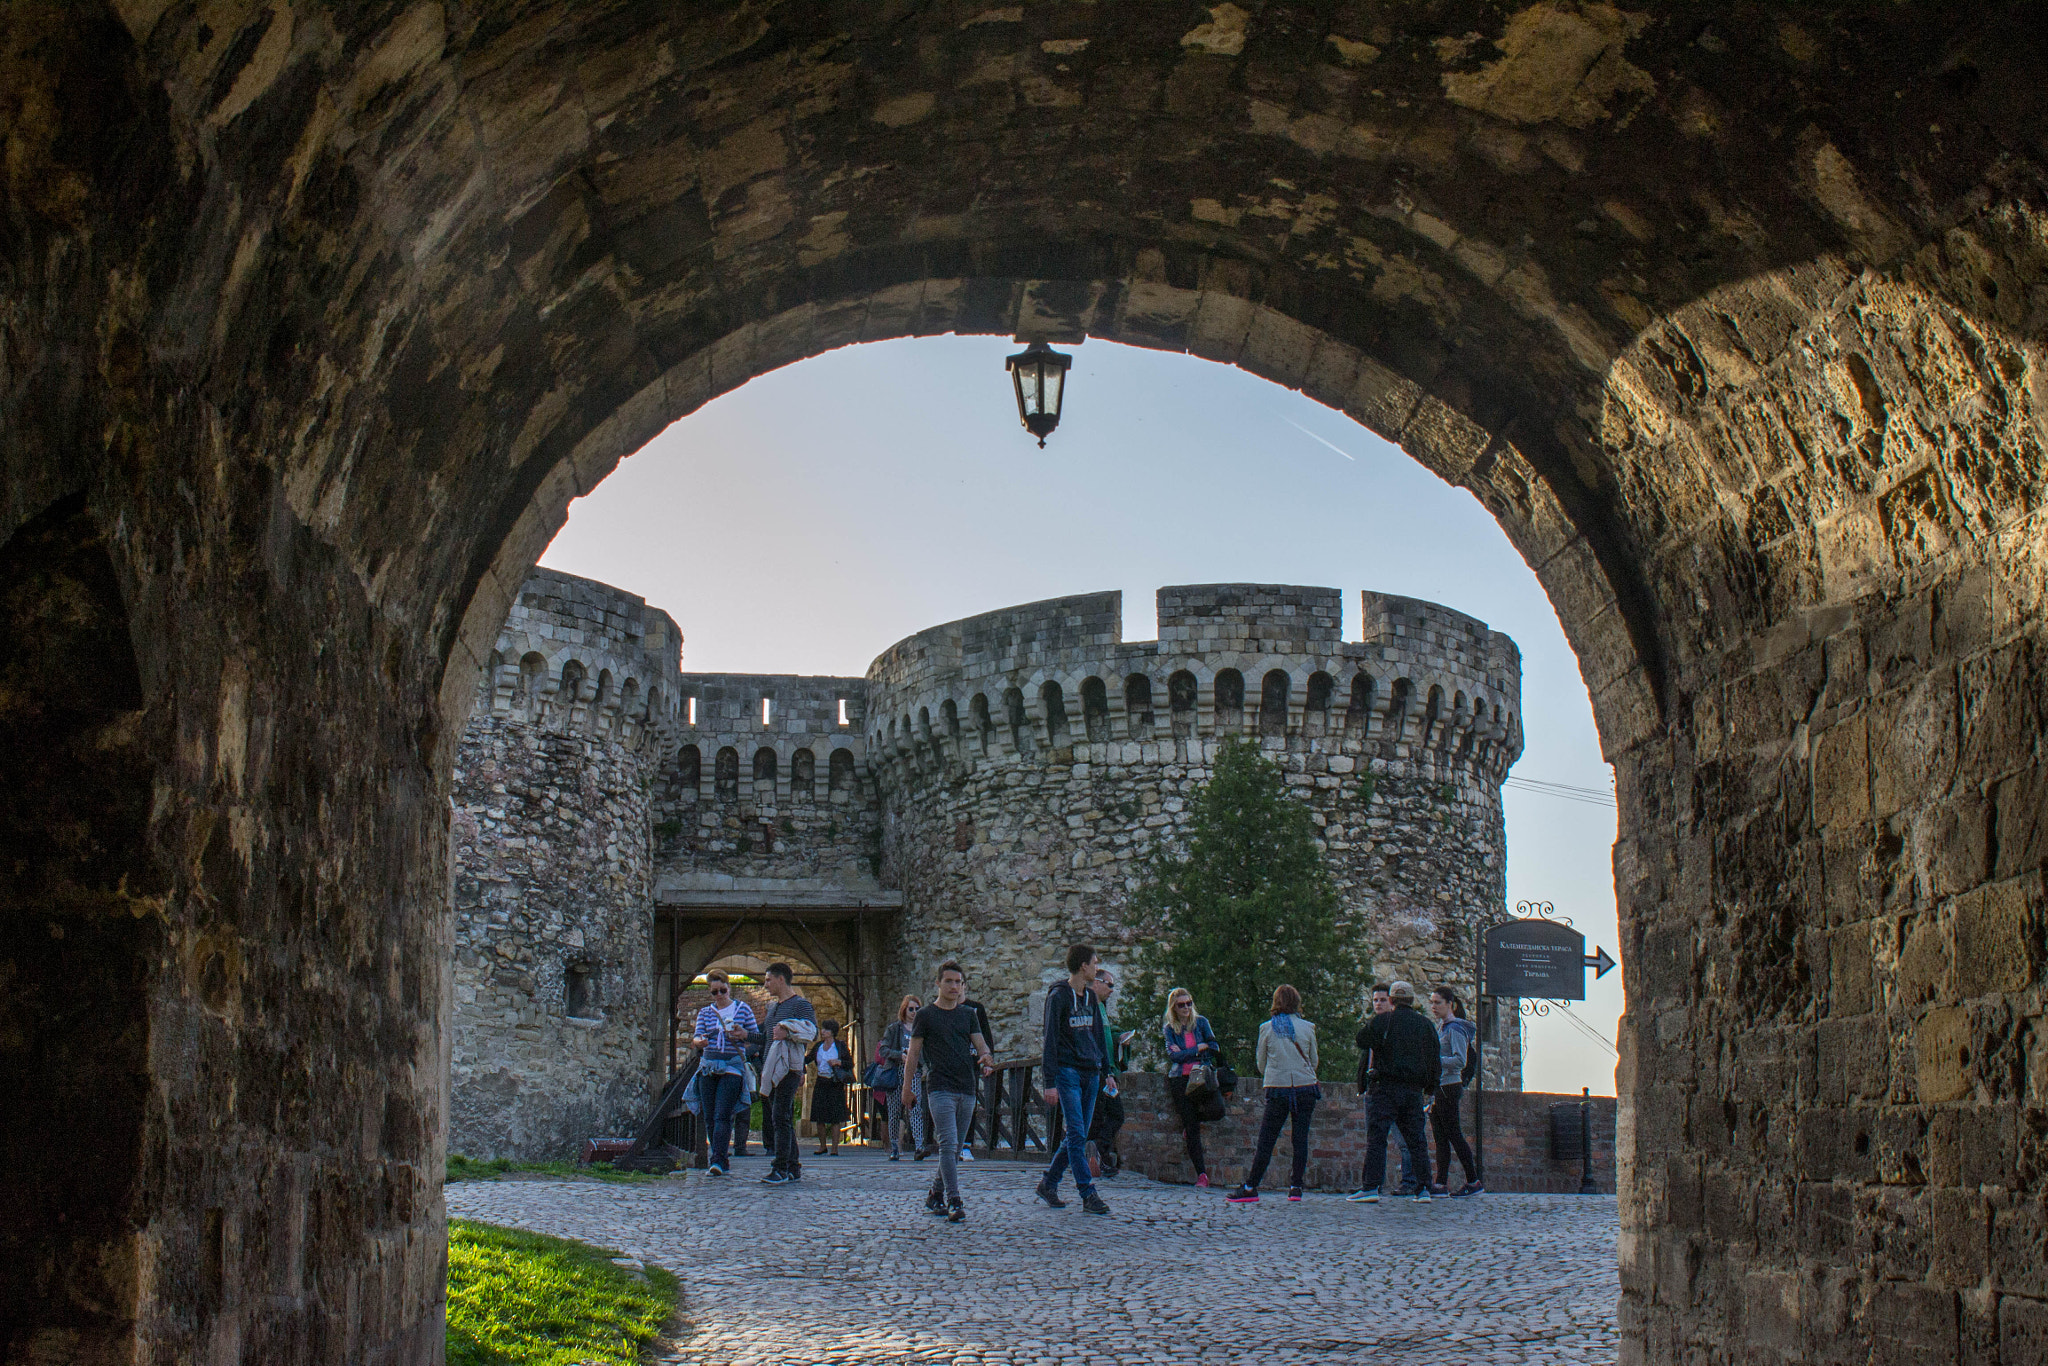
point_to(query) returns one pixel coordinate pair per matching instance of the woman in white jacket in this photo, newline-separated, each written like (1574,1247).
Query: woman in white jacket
(1287,1061)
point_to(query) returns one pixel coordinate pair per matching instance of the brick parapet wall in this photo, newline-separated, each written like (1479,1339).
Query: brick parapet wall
(1517,1154)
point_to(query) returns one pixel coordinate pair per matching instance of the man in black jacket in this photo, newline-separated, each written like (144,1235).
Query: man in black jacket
(1400,1067)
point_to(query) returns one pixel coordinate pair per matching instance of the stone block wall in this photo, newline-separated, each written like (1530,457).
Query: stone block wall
(1029,759)
(553,879)
(1517,1153)
(781,803)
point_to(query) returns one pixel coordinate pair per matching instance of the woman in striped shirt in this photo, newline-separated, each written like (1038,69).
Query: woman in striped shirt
(723,1028)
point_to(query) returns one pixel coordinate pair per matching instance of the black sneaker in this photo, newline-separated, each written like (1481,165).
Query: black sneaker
(774,1178)
(934,1203)
(956,1213)
(1091,1203)
(1048,1193)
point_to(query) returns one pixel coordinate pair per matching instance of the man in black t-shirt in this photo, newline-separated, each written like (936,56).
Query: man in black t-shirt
(947,1042)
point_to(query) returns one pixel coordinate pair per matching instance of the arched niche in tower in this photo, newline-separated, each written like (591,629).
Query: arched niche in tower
(1229,702)
(1273,690)
(1094,710)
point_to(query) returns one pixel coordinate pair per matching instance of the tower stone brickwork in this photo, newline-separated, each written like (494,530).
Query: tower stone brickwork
(575,719)
(988,791)
(1030,759)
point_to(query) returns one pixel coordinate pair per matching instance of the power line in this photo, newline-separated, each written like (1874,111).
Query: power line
(1586,1029)
(1589,796)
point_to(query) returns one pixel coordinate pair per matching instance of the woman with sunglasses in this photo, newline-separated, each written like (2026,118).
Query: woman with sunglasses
(1189,1043)
(723,1028)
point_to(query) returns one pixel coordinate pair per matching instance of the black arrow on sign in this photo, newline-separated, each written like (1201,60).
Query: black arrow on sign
(1600,963)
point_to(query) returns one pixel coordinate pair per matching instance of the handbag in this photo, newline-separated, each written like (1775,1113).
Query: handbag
(1226,1077)
(887,1078)
(1211,1108)
(1202,1081)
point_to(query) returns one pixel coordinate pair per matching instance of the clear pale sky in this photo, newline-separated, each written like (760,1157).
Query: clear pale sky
(815,516)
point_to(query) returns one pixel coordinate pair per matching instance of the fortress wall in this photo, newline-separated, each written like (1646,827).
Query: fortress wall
(764,805)
(1029,760)
(552,878)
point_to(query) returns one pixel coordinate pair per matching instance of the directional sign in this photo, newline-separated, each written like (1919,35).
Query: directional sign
(1536,958)
(1600,963)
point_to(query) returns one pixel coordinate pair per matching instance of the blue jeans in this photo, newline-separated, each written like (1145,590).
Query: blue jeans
(722,1092)
(1077,1111)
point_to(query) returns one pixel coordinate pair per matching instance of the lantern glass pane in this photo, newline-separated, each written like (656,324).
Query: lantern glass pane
(1055,382)
(1029,391)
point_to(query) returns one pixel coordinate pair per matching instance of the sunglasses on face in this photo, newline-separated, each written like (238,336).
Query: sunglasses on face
(721,991)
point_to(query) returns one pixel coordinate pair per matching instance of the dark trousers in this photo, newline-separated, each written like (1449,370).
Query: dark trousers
(1389,1106)
(1108,1122)
(778,1125)
(1190,1115)
(1283,1103)
(1450,1135)
(725,1090)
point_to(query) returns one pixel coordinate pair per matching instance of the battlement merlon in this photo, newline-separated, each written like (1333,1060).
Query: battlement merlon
(1250,618)
(585,657)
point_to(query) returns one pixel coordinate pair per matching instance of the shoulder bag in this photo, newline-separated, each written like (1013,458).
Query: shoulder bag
(1302,1053)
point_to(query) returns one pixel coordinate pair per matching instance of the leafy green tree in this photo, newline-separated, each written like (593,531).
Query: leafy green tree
(1246,905)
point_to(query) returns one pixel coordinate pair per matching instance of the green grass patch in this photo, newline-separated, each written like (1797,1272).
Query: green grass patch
(462,1168)
(525,1299)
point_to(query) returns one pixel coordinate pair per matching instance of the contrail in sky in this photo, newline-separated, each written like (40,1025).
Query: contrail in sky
(1313,437)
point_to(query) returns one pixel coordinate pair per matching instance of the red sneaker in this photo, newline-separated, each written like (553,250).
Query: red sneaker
(1203,1180)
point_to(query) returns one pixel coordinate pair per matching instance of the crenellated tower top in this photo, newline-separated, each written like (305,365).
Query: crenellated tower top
(584,658)
(1426,687)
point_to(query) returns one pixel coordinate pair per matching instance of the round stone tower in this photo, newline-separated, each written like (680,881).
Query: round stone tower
(1028,759)
(576,715)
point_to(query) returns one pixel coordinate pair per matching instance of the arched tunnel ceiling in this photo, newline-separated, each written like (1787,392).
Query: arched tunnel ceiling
(434,248)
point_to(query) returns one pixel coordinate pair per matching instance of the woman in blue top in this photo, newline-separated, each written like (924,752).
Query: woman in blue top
(1188,1042)
(1457,1060)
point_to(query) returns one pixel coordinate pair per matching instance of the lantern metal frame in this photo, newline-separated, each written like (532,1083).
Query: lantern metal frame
(1040,364)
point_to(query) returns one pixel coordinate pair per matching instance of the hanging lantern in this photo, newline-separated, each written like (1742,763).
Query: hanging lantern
(1040,375)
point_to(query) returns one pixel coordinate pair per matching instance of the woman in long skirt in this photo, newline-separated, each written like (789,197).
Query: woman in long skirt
(828,1091)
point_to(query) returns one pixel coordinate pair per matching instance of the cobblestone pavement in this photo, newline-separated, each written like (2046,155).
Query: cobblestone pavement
(847,1268)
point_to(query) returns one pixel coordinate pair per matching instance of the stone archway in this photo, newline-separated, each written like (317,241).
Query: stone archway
(1735,323)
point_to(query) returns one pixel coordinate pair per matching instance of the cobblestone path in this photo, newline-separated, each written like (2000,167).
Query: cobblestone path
(847,1268)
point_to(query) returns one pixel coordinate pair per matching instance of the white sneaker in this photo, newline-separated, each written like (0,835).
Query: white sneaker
(966,1155)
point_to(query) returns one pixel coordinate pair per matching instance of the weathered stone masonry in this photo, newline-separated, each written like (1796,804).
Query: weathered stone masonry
(553,878)
(998,778)
(1030,758)
(320,313)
